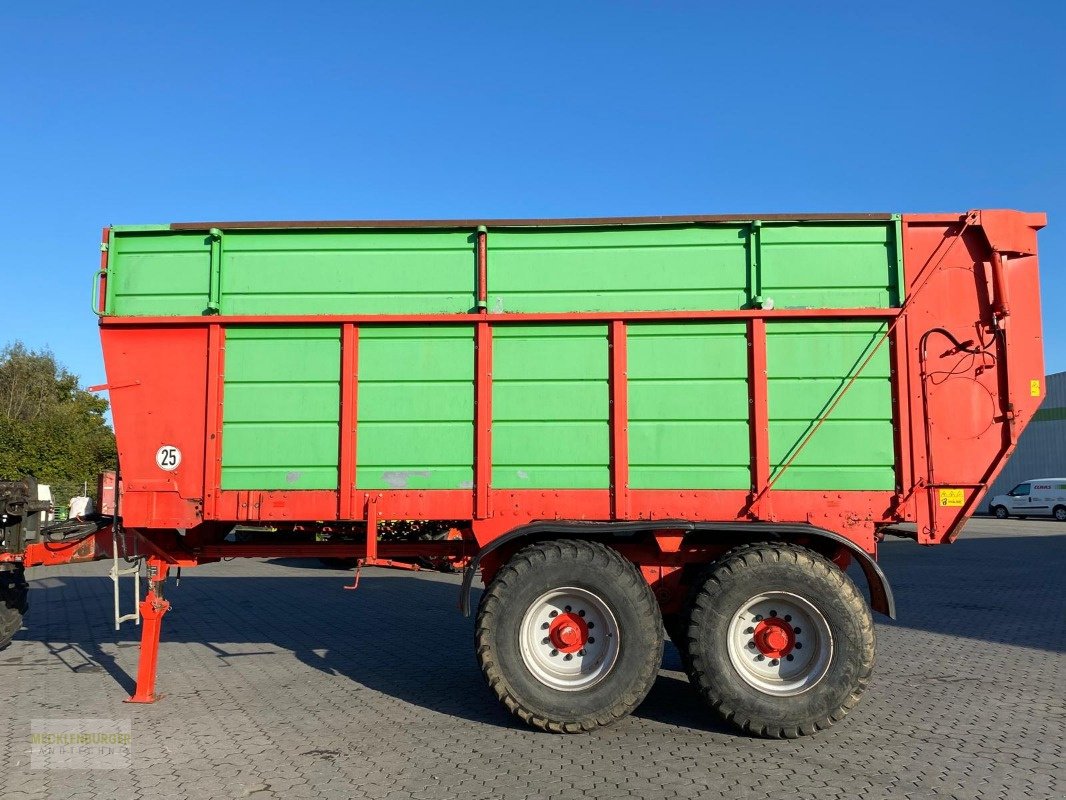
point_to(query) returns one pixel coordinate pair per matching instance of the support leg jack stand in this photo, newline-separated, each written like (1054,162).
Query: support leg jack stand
(153,609)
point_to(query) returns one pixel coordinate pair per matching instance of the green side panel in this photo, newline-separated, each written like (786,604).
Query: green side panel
(348,272)
(618,269)
(829,265)
(688,406)
(293,272)
(808,364)
(281,408)
(719,266)
(158,274)
(415,407)
(550,407)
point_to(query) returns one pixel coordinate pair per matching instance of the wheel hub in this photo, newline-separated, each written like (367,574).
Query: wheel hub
(780,643)
(569,638)
(774,638)
(568,633)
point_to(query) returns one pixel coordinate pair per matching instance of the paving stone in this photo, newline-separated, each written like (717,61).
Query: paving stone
(280,684)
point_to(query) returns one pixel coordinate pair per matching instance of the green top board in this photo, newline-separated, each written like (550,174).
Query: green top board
(159,271)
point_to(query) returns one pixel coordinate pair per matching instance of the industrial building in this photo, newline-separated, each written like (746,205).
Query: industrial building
(1041,451)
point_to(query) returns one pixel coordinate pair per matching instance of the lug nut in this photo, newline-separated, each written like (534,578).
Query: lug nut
(553,614)
(568,657)
(788,618)
(581,652)
(544,626)
(554,653)
(581,612)
(797,631)
(789,657)
(545,640)
(751,645)
(799,645)
(749,631)
(773,613)
(760,657)
(592,640)
(592,625)
(774,662)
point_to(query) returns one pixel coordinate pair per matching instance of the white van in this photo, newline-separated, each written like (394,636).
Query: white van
(1045,497)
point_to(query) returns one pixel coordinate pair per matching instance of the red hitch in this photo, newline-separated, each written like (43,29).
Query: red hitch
(379,562)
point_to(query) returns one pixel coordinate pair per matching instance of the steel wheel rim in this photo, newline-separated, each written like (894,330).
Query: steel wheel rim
(569,639)
(760,643)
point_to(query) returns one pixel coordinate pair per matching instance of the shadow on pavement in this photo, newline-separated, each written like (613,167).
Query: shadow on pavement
(403,636)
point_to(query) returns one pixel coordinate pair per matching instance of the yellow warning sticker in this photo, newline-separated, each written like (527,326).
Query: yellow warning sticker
(1034,388)
(952,498)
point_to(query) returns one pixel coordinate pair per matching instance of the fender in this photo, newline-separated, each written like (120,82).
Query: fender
(881,597)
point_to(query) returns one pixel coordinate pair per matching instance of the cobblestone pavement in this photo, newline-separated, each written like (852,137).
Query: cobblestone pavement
(280,685)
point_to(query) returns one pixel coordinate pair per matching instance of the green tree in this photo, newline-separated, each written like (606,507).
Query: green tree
(50,428)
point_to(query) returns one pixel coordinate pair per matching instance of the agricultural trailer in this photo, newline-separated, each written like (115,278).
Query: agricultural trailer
(628,428)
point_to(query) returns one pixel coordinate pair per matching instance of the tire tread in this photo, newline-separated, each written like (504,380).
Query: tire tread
(513,572)
(14,602)
(730,566)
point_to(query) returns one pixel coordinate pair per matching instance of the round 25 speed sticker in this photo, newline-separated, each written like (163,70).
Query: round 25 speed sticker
(168,457)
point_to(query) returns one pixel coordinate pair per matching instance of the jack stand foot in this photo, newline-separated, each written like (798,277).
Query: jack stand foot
(136,698)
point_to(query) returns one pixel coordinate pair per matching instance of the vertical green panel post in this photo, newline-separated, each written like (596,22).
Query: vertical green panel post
(901,279)
(109,287)
(754,275)
(214,297)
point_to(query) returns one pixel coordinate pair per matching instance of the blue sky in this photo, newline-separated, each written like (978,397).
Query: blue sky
(119,112)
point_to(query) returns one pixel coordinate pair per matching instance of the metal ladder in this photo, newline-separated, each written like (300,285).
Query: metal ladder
(117,572)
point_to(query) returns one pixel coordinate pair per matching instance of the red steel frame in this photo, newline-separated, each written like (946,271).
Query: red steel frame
(348,406)
(582,316)
(482,420)
(1004,241)
(619,421)
(759,421)
(216,362)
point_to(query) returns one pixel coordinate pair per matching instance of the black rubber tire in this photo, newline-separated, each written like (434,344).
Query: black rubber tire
(1059,513)
(14,602)
(751,570)
(1000,512)
(596,568)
